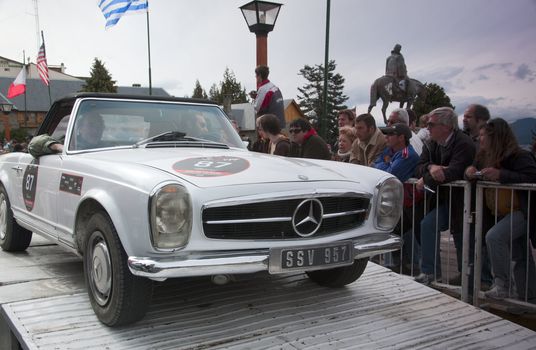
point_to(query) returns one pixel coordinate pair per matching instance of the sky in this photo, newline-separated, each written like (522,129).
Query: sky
(479,51)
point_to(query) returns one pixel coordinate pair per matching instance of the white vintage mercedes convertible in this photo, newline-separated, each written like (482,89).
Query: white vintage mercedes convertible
(150,188)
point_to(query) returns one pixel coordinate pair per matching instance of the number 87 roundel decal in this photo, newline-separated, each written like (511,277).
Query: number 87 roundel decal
(29,184)
(211,166)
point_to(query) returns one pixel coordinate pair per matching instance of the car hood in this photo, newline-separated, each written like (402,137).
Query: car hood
(216,167)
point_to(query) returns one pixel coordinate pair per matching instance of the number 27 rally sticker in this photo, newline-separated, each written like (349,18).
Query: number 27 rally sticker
(211,166)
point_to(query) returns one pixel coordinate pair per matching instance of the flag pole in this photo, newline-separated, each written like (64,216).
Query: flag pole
(149,52)
(25,90)
(48,85)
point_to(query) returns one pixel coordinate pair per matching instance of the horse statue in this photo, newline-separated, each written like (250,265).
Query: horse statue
(387,88)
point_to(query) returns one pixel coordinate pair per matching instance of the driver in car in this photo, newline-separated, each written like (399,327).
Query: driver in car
(89,132)
(89,128)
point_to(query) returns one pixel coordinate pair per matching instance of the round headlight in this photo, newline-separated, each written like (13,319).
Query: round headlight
(389,201)
(171,217)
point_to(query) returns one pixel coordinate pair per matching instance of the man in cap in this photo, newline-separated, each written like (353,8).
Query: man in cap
(399,157)
(395,66)
(400,115)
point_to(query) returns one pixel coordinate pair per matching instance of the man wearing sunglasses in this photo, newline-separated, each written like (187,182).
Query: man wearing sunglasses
(305,141)
(450,152)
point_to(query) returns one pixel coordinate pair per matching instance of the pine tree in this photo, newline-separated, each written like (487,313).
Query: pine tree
(100,80)
(435,97)
(229,86)
(311,99)
(214,93)
(199,92)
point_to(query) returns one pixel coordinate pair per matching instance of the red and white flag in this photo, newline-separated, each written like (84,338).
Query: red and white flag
(18,87)
(42,66)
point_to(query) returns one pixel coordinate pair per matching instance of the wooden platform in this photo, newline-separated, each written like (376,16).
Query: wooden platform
(44,303)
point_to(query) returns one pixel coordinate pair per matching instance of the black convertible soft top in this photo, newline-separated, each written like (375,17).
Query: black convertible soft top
(133,97)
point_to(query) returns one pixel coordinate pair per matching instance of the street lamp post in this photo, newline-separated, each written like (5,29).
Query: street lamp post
(260,17)
(6,107)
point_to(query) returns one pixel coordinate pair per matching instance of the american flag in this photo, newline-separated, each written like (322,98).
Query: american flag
(42,66)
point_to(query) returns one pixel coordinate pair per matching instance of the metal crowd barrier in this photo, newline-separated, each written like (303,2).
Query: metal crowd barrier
(530,190)
(470,217)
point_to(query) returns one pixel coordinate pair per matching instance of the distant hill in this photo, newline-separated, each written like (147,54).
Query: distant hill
(523,129)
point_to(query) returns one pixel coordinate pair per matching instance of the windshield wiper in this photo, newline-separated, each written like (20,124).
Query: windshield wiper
(165,136)
(170,136)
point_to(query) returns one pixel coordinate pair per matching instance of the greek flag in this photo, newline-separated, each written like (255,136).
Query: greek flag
(114,9)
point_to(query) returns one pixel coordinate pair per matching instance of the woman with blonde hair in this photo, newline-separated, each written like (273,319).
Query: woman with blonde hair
(347,136)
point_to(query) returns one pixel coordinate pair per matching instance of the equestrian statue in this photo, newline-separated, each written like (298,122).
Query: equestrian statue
(395,85)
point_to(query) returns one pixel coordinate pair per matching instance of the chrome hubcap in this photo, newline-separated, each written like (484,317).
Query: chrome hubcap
(101,271)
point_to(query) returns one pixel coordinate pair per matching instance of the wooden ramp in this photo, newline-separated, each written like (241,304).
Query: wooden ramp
(380,310)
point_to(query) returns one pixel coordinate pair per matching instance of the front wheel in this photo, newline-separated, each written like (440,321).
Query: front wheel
(339,276)
(116,295)
(13,237)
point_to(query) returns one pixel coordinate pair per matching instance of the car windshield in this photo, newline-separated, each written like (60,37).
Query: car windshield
(109,123)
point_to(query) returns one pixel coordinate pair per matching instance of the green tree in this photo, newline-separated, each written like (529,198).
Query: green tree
(100,80)
(199,92)
(214,93)
(311,98)
(435,97)
(229,86)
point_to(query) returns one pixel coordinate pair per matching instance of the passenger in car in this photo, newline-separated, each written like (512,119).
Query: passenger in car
(89,128)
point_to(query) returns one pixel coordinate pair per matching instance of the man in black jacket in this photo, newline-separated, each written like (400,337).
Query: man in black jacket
(450,152)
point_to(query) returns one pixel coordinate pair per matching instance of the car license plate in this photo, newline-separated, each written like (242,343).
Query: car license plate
(311,258)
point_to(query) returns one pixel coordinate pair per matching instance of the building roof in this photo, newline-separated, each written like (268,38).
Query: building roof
(37,99)
(61,85)
(10,69)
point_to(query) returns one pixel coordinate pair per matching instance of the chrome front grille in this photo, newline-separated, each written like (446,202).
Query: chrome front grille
(274,219)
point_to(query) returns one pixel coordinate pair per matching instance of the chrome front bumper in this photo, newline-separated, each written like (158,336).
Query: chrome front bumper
(243,261)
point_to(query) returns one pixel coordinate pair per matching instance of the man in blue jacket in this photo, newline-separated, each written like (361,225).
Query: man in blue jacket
(399,157)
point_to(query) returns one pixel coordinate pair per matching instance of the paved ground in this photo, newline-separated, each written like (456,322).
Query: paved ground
(43,297)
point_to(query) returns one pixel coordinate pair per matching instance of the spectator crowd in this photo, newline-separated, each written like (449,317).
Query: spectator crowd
(433,150)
